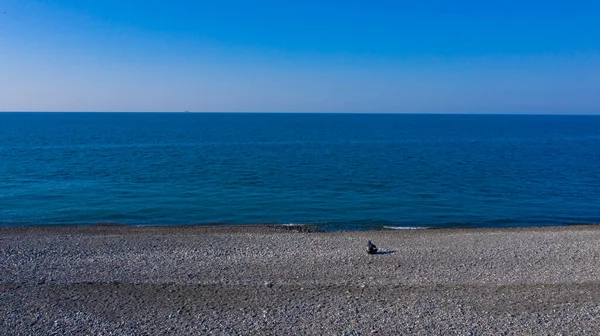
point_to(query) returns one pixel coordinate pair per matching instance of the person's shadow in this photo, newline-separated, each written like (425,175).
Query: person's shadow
(386,252)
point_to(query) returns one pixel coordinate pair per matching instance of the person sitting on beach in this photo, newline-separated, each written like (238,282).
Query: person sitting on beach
(371,248)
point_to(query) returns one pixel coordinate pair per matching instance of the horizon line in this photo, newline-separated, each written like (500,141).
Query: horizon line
(305,112)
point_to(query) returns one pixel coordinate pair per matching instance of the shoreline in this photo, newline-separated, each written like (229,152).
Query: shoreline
(274,280)
(313,228)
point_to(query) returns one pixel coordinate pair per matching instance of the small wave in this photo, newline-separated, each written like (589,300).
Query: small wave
(406,227)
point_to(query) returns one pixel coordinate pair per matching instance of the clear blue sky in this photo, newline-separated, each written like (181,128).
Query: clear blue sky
(332,56)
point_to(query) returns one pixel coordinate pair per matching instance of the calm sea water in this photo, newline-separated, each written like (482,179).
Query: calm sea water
(343,171)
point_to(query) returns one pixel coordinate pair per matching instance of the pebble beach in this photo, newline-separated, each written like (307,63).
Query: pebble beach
(267,280)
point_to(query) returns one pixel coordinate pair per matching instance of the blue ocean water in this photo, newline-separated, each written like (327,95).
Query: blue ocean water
(342,171)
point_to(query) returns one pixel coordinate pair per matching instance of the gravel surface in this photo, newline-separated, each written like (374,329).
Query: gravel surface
(268,280)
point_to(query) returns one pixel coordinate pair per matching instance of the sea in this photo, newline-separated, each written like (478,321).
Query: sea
(327,171)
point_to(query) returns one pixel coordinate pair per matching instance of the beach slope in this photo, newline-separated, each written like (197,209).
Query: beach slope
(278,281)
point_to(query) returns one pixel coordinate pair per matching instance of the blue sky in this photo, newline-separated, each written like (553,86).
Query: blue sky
(330,56)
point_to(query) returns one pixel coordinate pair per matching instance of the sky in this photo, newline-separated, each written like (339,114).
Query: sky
(300,56)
